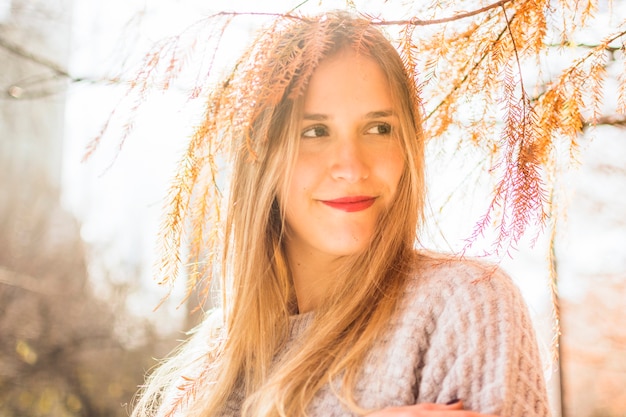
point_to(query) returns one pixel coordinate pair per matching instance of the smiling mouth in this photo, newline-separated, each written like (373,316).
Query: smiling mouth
(351,204)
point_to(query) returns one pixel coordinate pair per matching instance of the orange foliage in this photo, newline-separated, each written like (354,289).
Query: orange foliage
(475,55)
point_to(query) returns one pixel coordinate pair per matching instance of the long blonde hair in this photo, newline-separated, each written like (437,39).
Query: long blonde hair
(235,353)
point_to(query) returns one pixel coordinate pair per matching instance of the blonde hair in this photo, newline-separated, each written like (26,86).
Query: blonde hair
(237,352)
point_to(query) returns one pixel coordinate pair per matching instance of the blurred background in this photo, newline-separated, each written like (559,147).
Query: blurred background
(78,325)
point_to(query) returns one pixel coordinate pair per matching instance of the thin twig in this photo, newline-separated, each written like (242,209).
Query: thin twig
(465,77)
(617,120)
(460,16)
(18,50)
(519,69)
(22,281)
(380,22)
(583,45)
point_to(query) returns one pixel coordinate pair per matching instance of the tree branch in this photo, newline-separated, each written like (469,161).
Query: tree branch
(380,22)
(18,50)
(616,120)
(460,16)
(22,281)
(17,90)
(568,44)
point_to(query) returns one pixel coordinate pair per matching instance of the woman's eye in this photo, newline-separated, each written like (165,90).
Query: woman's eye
(379,129)
(315,132)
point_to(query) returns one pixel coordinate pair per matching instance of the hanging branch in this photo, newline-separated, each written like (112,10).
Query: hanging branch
(616,120)
(483,60)
(519,194)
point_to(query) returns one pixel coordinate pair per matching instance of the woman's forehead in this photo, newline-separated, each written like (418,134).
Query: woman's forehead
(349,75)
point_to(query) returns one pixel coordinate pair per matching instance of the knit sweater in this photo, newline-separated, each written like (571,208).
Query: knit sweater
(462,331)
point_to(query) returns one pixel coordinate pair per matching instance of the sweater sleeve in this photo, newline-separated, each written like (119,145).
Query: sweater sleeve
(483,348)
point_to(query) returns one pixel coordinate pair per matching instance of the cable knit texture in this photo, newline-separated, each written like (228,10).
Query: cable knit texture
(462,331)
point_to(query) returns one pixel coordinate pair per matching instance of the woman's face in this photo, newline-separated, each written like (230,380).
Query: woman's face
(349,161)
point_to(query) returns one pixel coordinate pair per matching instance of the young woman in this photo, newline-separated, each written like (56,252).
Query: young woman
(328,308)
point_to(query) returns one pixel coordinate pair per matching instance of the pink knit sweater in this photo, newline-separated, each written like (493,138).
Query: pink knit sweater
(462,331)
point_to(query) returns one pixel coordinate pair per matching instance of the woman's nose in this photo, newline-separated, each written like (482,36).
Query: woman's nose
(348,160)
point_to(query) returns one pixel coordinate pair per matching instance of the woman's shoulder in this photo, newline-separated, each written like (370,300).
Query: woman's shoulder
(441,280)
(431,268)
(473,325)
(437,264)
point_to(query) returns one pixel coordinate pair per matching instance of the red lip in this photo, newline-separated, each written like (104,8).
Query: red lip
(351,204)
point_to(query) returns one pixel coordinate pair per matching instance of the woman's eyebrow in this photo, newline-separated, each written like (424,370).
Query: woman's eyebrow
(371,115)
(316,117)
(379,114)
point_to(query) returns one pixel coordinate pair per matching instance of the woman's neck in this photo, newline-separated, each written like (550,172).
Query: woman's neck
(311,276)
